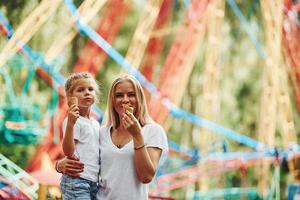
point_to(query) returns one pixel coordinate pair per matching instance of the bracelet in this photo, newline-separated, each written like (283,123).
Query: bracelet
(139,147)
(56,167)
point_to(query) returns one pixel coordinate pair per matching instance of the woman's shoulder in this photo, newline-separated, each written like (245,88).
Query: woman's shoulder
(104,132)
(153,126)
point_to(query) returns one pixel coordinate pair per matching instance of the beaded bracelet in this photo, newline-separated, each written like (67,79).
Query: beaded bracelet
(139,147)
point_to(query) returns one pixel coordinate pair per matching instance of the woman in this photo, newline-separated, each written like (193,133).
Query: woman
(131,144)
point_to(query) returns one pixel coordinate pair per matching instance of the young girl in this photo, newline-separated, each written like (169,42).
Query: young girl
(81,137)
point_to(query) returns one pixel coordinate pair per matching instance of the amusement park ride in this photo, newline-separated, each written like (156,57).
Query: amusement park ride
(202,18)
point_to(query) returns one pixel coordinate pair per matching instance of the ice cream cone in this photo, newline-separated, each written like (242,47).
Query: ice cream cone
(72,101)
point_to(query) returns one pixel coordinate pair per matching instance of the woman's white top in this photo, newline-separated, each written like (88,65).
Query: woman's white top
(86,132)
(119,179)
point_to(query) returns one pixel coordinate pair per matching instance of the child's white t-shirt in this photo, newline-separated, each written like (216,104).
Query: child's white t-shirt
(117,165)
(86,132)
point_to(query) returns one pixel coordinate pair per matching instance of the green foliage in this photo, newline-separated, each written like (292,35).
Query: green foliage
(19,154)
(12,9)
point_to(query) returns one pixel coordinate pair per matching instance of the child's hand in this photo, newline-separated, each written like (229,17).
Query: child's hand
(73,110)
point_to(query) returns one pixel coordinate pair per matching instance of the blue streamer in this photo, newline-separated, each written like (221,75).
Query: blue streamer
(228,193)
(187,152)
(179,113)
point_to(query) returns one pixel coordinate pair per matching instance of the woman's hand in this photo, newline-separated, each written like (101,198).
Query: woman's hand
(70,166)
(130,122)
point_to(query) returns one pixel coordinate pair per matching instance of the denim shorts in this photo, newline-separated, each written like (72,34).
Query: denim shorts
(78,188)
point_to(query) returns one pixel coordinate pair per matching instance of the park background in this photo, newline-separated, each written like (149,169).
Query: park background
(222,77)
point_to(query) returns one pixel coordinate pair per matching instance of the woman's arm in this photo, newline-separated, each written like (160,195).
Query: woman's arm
(146,159)
(70,166)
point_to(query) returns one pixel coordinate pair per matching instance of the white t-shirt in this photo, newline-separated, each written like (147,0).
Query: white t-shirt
(117,165)
(86,132)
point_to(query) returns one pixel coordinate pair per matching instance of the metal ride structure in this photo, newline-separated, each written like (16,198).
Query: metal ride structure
(291,42)
(19,38)
(9,191)
(32,23)
(92,57)
(210,102)
(22,123)
(275,97)
(179,63)
(156,41)
(136,49)
(21,179)
(88,10)
(279,94)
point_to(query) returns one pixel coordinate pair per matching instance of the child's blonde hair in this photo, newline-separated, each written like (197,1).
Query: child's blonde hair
(73,79)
